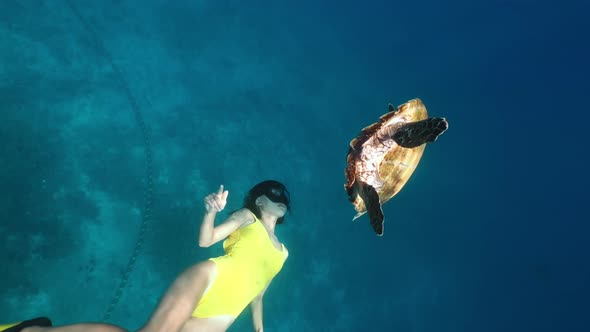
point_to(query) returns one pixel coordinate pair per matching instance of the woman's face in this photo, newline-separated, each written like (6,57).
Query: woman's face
(270,207)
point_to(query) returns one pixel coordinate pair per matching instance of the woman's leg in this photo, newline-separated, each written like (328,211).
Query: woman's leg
(213,324)
(181,299)
(173,312)
(90,327)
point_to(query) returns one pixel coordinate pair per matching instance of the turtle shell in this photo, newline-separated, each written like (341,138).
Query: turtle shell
(374,158)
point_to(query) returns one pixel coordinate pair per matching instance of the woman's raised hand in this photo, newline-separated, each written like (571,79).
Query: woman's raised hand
(215,202)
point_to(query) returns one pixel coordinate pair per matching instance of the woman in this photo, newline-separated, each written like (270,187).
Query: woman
(210,295)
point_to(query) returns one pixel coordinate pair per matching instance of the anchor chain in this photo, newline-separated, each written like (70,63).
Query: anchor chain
(149,184)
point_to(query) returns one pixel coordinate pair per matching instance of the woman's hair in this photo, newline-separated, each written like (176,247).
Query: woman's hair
(274,190)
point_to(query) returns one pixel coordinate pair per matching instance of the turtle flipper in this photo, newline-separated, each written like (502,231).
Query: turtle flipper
(413,134)
(371,199)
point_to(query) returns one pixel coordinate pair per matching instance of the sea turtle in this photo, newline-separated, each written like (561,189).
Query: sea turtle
(385,154)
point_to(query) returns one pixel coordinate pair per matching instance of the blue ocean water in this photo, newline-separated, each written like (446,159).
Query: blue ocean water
(118,117)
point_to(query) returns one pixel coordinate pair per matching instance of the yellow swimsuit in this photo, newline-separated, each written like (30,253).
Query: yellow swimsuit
(250,262)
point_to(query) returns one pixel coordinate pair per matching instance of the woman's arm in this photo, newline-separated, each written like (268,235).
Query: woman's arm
(209,234)
(256,307)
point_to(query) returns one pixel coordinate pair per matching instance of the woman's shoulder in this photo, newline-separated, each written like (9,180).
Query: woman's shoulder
(245,216)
